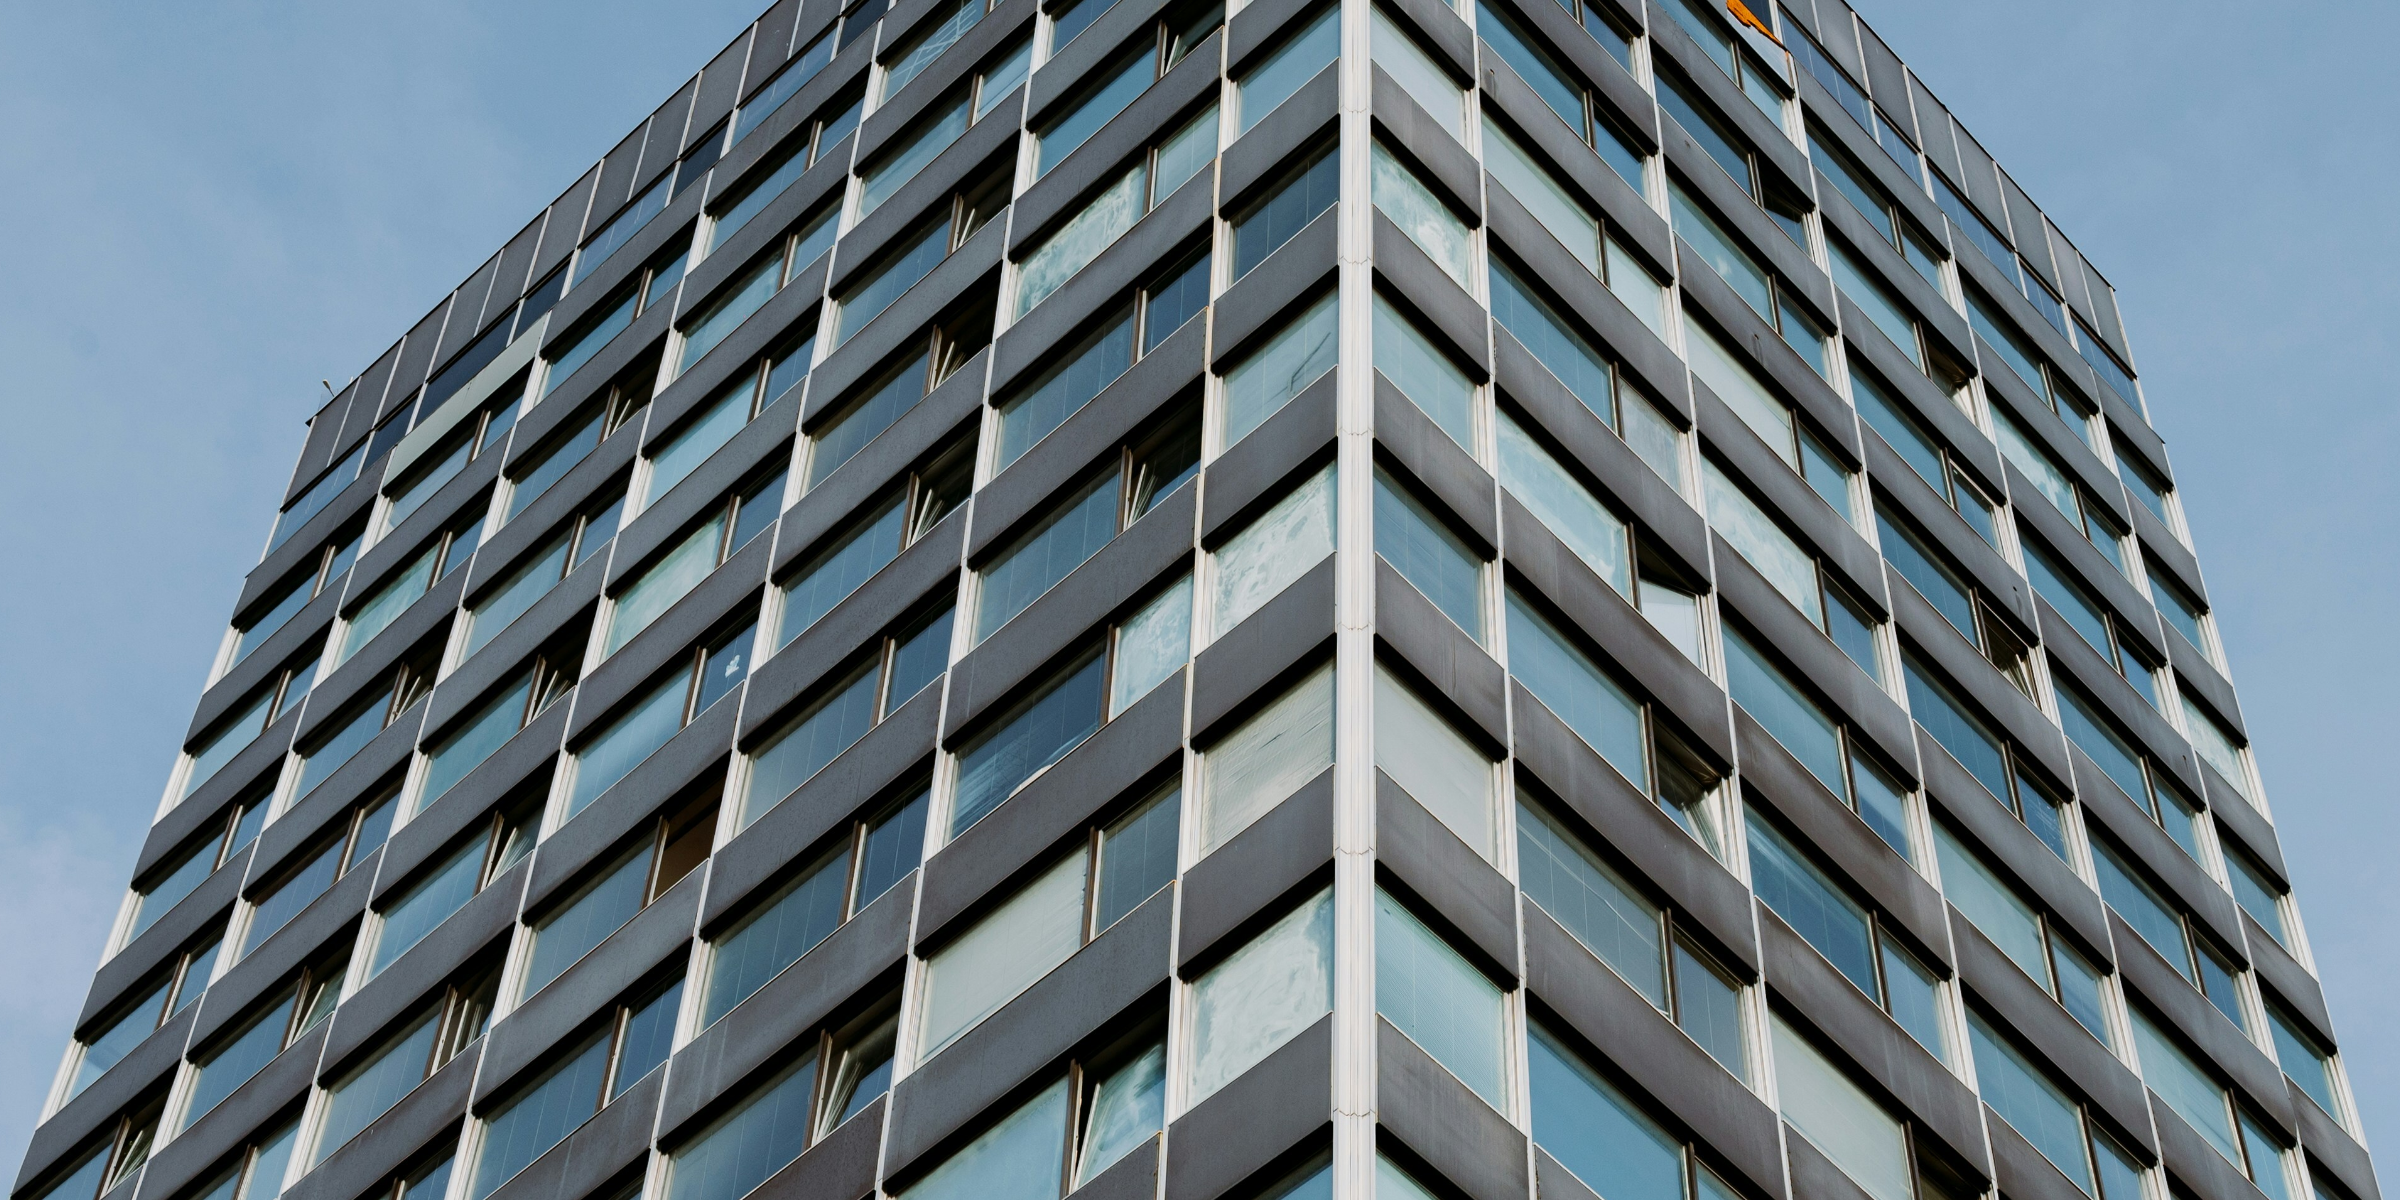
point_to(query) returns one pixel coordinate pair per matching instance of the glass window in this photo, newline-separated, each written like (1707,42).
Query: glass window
(371,1089)
(1403,198)
(1813,905)
(1265,759)
(1127,1106)
(541,1116)
(1417,73)
(1271,222)
(682,454)
(791,922)
(867,299)
(474,740)
(2132,895)
(832,574)
(1564,505)
(507,602)
(1959,730)
(1076,529)
(1993,904)
(1596,1131)
(1278,547)
(1590,900)
(1002,955)
(928,46)
(843,715)
(1019,745)
(1431,993)
(1075,244)
(1186,153)
(1408,358)
(428,903)
(275,907)
(1426,553)
(663,583)
(1262,995)
(1552,342)
(572,351)
(1173,302)
(1285,71)
(2024,1096)
(386,605)
(1138,854)
(1790,714)
(130,1029)
(1537,188)
(1708,1006)
(1152,644)
(2257,892)
(1275,373)
(746,1146)
(1126,79)
(2217,746)
(1021,1158)
(239,1057)
(1748,528)
(2189,1089)
(862,1073)
(1858,282)
(633,736)
(598,910)
(1543,75)
(2303,1057)
(1426,755)
(1840,1119)
(1081,373)
(1575,688)
(894,169)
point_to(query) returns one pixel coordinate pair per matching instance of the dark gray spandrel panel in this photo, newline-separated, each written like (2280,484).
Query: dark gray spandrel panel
(964,163)
(1935,127)
(1457,891)
(2333,1150)
(2033,245)
(658,936)
(1261,158)
(427,1114)
(1773,780)
(774,38)
(2104,305)
(1899,486)
(1828,415)
(1247,667)
(1249,882)
(1532,124)
(1448,1126)
(329,923)
(467,309)
(1815,1176)
(1256,1119)
(204,911)
(1068,621)
(366,403)
(1581,997)
(1440,31)
(720,86)
(1577,783)
(1773,153)
(2194,1162)
(794,832)
(663,141)
(599,1150)
(693,758)
(1118,977)
(1452,673)
(1581,442)
(203,1144)
(1134,1177)
(1886,80)
(524,760)
(1256,472)
(2241,827)
(1166,378)
(782,684)
(1835,542)
(1837,29)
(956,66)
(1920,300)
(1957,800)
(1130,755)
(514,274)
(1980,180)
(1999,986)
(565,229)
(970,267)
(415,980)
(666,645)
(1936,1101)
(2128,823)
(1621,100)
(851,966)
(416,359)
(2070,275)
(842,1164)
(1822,668)
(1971,677)
(1412,283)
(324,428)
(877,471)
(618,173)
(2179,1008)
(152,1064)
(1260,28)
(1426,455)
(1426,143)
(1898,184)
(1101,295)
(2100,683)
(1275,291)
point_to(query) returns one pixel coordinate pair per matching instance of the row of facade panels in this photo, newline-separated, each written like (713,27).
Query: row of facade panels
(567,643)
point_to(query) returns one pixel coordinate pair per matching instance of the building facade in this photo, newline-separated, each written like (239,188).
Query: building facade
(1127,599)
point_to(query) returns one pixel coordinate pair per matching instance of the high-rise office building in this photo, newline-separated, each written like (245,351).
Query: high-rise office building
(1326,600)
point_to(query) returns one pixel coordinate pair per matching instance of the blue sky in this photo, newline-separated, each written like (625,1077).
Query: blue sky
(214,204)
